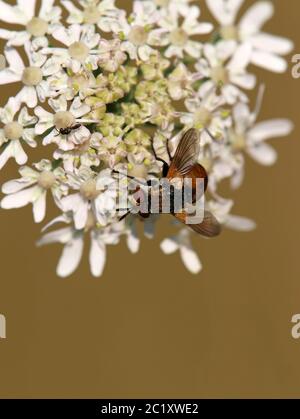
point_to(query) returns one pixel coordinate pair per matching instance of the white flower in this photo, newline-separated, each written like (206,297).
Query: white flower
(95,193)
(133,241)
(267,48)
(81,52)
(223,163)
(34,86)
(102,13)
(73,241)
(180,82)
(14,132)
(112,150)
(110,55)
(131,230)
(32,188)
(136,31)
(176,36)
(206,112)
(182,243)
(61,83)
(85,154)
(64,118)
(228,77)
(251,137)
(221,209)
(36,26)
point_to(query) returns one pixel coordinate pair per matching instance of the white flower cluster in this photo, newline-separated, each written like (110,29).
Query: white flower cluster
(105,87)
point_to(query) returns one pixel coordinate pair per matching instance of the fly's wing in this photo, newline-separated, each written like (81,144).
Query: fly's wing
(198,172)
(186,155)
(210,227)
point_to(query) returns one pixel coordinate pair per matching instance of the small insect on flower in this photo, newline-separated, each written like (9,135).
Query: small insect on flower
(68,130)
(183,167)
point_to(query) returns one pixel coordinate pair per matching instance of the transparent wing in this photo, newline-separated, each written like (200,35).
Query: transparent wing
(210,227)
(186,155)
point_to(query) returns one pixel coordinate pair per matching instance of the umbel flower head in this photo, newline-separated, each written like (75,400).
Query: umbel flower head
(115,97)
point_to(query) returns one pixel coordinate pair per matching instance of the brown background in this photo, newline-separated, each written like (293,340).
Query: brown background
(149,329)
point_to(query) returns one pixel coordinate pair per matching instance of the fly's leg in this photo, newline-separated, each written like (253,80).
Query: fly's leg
(129,177)
(165,167)
(169,151)
(124,216)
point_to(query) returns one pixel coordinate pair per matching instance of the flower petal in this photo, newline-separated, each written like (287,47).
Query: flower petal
(76,15)
(269,61)
(191,260)
(97,256)
(28,7)
(169,246)
(133,242)
(70,257)
(224,12)
(5,156)
(263,153)
(7,76)
(59,236)
(274,128)
(13,186)
(14,60)
(46,8)
(28,95)
(256,17)
(235,222)
(241,58)
(12,14)
(39,207)
(271,43)
(19,199)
